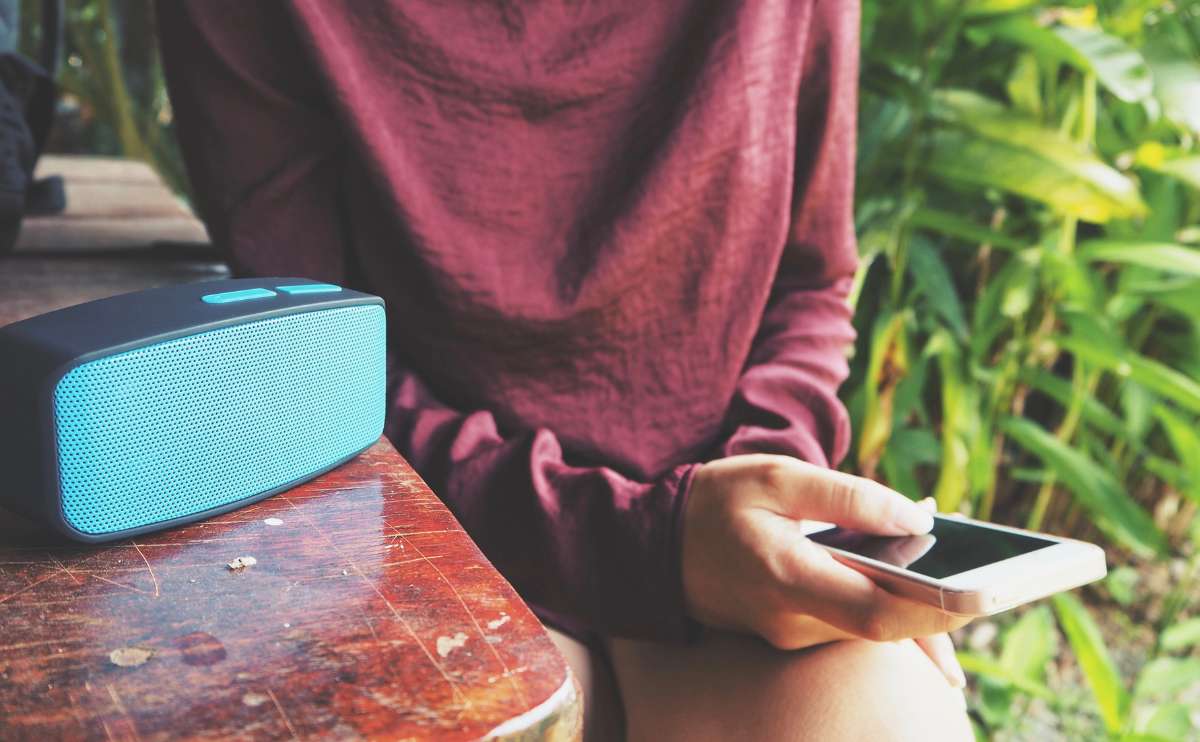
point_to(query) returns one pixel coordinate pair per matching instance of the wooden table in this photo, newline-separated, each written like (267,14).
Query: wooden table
(368,613)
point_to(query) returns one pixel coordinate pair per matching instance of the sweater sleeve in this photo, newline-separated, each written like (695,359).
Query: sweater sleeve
(786,398)
(262,147)
(586,546)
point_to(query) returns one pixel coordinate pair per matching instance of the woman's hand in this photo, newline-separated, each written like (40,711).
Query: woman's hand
(747,565)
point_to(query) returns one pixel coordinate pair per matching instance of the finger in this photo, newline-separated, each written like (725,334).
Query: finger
(805,491)
(941,650)
(929,504)
(819,585)
(797,631)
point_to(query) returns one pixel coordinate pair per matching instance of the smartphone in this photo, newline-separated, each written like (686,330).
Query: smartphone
(965,566)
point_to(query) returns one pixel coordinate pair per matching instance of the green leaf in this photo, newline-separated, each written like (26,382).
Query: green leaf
(1092,342)
(1024,85)
(1137,404)
(918,445)
(1094,487)
(1178,259)
(1186,442)
(1177,86)
(994,7)
(1184,299)
(1182,635)
(888,364)
(953,225)
(959,415)
(1014,284)
(1171,721)
(1018,293)
(977,664)
(1122,585)
(1172,162)
(989,145)
(1093,411)
(1098,668)
(1117,66)
(1030,644)
(931,275)
(1165,676)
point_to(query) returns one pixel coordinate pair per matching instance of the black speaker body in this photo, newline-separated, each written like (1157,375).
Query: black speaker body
(162,407)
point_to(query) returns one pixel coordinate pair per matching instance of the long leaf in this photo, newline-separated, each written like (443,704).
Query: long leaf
(1093,411)
(1182,635)
(953,225)
(979,665)
(1030,644)
(1098,668)
(1179,294)
(1171,161)
(930,273)
(991,7)
(1094,487)
(887,365)
(1186,442)
(1094,343)
(1117,66)
(1178,259)
(1177,86)
(1171,721)
(1166,676)
(989,145)
(958,413)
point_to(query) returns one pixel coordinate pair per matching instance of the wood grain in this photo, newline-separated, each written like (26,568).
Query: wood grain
(368,613)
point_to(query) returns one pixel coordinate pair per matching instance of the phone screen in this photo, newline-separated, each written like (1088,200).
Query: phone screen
(952,546)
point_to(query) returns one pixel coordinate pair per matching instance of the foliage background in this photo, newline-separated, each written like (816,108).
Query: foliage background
(1028,312)
(1029,319)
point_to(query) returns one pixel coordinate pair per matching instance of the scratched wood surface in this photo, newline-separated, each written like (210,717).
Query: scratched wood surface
(368,613)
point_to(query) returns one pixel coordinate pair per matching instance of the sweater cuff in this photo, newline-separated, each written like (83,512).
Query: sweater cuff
(683,629)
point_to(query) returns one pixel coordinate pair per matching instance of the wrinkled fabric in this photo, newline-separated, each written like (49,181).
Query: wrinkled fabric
(615,241)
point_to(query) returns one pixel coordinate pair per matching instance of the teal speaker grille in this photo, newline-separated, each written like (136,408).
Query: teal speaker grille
(206,420)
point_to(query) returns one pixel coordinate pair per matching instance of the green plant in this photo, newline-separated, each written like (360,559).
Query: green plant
(1148,709)
(1028,306)
(114,97)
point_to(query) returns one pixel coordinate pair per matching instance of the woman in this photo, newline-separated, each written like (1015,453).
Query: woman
(615,245)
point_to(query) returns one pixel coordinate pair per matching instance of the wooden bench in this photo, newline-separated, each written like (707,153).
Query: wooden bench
(368,612)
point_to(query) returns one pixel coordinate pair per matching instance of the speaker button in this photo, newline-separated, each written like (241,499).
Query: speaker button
(228,297)
(310,288)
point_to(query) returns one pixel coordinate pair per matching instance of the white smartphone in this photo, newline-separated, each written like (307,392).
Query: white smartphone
(966,566)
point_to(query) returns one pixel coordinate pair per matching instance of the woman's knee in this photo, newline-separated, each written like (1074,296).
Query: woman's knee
(869,690)
(735,687)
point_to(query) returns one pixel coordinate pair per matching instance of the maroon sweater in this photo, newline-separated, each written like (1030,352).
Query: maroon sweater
(615,240)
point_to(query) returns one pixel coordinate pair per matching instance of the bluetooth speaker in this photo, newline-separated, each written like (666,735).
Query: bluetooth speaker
(162,407)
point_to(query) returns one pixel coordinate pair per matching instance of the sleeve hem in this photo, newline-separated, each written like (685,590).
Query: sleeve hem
(687,629)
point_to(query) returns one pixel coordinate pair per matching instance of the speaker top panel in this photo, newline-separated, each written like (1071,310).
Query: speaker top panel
(69,336)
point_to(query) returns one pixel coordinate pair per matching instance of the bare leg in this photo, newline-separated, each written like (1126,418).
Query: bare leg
(603,720)
(734,687)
